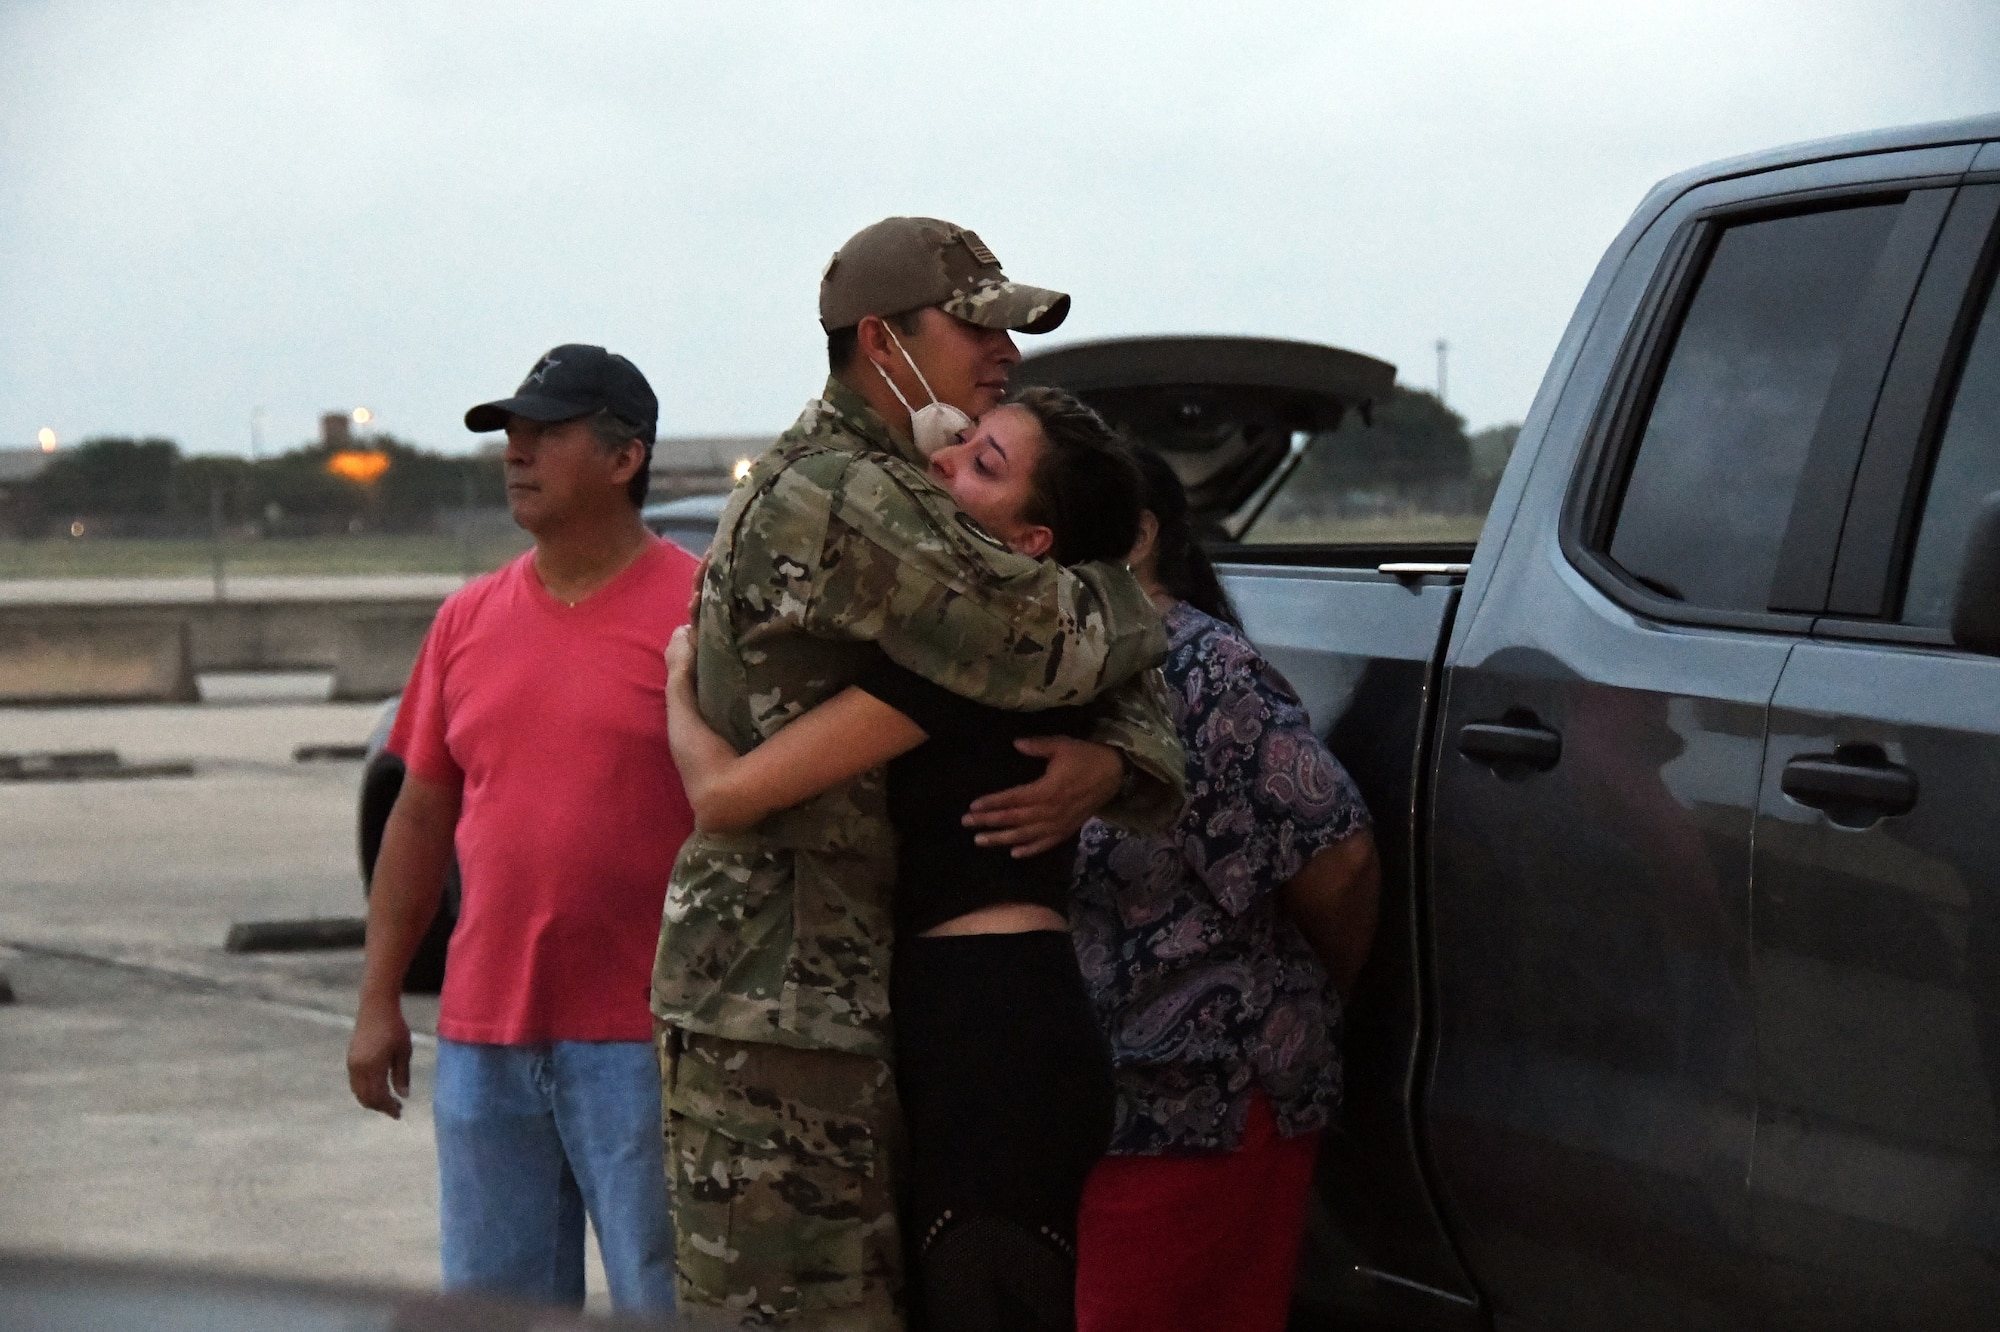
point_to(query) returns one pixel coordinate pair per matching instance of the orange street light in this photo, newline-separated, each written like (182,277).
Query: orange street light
(46,437)
(358,465)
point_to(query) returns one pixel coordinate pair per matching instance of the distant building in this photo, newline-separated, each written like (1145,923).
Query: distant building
(702,464)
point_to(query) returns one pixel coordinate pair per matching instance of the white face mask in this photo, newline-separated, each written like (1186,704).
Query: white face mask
(931,427)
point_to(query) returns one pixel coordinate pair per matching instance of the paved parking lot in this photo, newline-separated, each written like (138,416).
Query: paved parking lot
(163,1099)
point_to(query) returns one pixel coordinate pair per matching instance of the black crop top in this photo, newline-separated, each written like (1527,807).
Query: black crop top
(970,752)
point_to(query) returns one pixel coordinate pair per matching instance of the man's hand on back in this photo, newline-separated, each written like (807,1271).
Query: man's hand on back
(1081,779)
(694,597)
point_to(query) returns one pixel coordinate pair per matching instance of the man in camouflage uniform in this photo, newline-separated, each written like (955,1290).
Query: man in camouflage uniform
(771,982)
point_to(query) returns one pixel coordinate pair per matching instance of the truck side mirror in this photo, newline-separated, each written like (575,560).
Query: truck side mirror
(1975,612)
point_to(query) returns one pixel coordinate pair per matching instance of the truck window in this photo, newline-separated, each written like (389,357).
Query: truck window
(1413,477)
(1711,486)
(1967,470)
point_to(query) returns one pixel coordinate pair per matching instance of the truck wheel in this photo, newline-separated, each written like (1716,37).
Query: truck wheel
(379,787)
(426,970)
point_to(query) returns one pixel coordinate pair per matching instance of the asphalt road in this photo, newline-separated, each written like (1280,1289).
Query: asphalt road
(163,1099)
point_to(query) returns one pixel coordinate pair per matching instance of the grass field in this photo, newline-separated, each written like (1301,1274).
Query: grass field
(114,557)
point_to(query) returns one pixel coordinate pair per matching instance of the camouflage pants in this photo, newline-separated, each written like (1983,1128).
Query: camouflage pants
(783,1169)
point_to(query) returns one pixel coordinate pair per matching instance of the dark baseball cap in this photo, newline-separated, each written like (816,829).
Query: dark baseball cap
(575,380)
(907,263)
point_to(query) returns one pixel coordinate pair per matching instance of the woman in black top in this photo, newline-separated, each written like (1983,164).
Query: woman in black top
(1003,1072)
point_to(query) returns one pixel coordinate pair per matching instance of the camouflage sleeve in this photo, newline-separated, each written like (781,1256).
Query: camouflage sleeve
(903,567)
(1134,720)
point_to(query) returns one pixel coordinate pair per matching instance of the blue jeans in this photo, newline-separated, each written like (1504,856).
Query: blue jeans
(529,1138)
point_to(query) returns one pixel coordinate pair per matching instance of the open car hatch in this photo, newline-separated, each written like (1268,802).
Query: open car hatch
(1233,416)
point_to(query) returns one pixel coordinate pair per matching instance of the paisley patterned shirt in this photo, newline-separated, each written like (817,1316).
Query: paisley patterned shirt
(1206,989)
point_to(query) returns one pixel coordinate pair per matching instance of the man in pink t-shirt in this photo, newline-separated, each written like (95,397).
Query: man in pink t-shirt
(533,735)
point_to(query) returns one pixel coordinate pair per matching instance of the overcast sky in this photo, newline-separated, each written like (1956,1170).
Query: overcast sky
(211,208)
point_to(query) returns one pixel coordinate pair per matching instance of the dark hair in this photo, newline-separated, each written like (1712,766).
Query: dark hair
(1179,562)
(1085,488)
(843,343)
(613,433)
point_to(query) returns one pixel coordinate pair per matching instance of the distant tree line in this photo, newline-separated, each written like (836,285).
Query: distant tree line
(1410,451)
(1414,453)
(148,487)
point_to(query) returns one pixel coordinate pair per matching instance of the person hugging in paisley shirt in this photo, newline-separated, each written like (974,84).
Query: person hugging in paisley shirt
(1215,955)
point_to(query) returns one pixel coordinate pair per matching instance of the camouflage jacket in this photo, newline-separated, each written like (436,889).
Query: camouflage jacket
(836,547)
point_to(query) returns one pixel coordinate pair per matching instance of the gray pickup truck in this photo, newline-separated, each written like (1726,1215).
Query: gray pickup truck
(1685,1006)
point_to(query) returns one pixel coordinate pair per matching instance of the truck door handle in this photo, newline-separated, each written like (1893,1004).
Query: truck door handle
(1855,784)
(1512,743)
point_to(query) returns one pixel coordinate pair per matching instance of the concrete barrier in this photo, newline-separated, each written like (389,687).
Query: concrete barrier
(106,652)
(54,655)
(374,652)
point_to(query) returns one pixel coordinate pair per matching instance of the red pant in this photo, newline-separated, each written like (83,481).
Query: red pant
(1206,1243)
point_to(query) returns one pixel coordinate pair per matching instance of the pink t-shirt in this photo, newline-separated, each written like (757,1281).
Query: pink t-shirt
(553,718)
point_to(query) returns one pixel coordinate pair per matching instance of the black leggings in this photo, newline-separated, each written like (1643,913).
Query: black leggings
(1005,1080)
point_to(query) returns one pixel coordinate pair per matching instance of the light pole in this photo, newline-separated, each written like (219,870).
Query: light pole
(1443,350)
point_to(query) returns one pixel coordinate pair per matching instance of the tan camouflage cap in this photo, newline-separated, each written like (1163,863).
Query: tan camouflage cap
(906,263)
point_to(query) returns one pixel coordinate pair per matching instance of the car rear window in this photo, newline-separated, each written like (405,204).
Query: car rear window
(1410,477)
